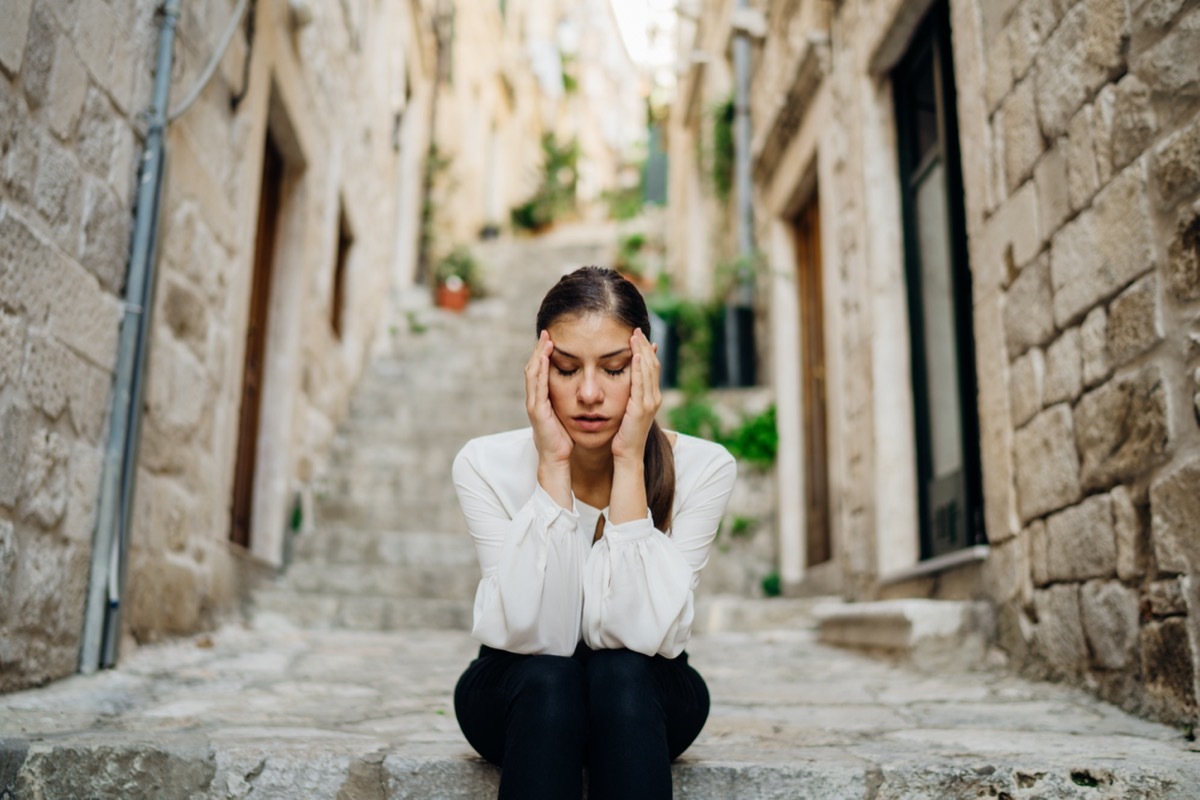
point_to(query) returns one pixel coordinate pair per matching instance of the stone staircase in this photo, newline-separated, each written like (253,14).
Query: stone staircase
(387,548)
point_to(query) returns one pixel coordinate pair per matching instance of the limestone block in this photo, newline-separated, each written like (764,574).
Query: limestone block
(1080,542)
(999,76)
(1167,667)
(83,491)
(1029,309)
(1084,52)
(185,314)
(1134,123)
(56,191)
(1053,188)
(16,431)
(8,559)
(1012,238)
(1025,388)
(1006,574)
(45,480)
(1183,256)
(1130,530)
(1031,24)
(1104,248)
(88,398)
(47,374)
(1155,14)
(1110,620)
(42,42)
(176,390)
(1123,428)
(1059,635)
(1171,65)
(110,51)
(994,15)
(1083,179)
(68,87)
(12,348)
(1047,465)
(1022,137)
(1103,112)
(997,188)
(1036,533)
(1165,598)
(19,150)
(1174,511)
(164,596)
(107,231)
(1064,369)
(96,142)
(1175,166)
(1134,322)
(1093,344)
(13,33)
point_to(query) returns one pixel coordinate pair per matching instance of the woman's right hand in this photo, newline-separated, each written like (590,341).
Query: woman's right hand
(553,443)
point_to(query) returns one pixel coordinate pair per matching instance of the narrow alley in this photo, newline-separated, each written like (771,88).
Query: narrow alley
(338,682)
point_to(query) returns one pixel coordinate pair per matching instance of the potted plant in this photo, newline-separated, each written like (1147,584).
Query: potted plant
(457,277)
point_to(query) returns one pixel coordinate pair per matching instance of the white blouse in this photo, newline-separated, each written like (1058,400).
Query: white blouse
(545,585)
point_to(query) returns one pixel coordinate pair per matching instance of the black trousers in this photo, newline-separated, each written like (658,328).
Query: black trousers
(541,719)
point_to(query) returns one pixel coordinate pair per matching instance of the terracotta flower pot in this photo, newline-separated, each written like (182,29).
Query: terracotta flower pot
(453,295)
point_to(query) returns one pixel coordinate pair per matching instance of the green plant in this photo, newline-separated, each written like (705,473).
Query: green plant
(624,203)
(772,586)
(756,440)
(414,323)
(741,526)
(460,263)
(722,148)
(695,416)
(629,255)
(555,195)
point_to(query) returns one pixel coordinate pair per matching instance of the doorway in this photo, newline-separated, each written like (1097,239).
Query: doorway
(254,370)
(806,230)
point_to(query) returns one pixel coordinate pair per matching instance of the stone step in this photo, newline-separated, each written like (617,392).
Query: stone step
(363,612)
(375,546)
(930,633)
(405,581)
(435,509)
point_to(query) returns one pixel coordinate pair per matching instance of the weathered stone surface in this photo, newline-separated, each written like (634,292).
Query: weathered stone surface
(184,312)
(1028,308)
(1171,66)
(1174,512)
(1046,462)
(1080,542)
(56,191)
(1038,548)
(1025,388)
(1123,428)
(1030,26)
(1053,187)
(1134,123)
(12,348)
(1134,322)
(16,429)
(1167,665)
(177,392)
(1093,344)
(1083,180)
(1130,529)
(1104,248)
(998,71)
(39,56)
(1165,598)
(45,480)
(1183,259)
(83,492)
(1064,369)
(1059,636)
(1022,137)
(68,86)
(1006,575)
(47,374)
(107,227)
(13,32)
(1175,165)
(1110,620)
(1085,51)
(1155,14)
(8,561)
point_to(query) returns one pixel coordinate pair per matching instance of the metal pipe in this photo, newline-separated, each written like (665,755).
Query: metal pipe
(101,630)
(211,67)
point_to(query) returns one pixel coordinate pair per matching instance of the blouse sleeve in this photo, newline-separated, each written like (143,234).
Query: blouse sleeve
(639,584)
(530,596)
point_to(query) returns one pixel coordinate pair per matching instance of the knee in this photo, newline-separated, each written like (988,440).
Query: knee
(550,690)
(621,686)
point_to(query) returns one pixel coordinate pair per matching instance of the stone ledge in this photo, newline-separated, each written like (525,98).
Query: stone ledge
(933,634)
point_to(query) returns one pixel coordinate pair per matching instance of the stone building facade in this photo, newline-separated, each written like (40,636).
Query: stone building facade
(299,169)
(980,220)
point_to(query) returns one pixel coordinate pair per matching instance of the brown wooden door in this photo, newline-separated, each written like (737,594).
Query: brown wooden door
(256,344)
(807,227)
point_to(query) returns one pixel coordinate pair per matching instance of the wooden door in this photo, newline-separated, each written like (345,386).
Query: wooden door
(256,344)
(807,228)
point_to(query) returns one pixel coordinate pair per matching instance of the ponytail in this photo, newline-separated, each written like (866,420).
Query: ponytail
(659,468)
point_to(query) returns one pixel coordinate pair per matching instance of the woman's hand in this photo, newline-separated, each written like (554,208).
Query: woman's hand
(629,445)
(553,443)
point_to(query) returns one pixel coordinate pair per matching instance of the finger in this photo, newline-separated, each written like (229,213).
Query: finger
(635,388)
(543,373)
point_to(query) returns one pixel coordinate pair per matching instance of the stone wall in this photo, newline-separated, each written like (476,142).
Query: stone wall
(1082,175)
(69,98)
(345,101)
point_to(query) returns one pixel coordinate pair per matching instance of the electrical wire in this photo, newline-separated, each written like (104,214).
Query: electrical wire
(211,66)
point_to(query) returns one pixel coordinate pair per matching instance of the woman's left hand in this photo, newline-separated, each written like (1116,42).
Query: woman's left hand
(644,401)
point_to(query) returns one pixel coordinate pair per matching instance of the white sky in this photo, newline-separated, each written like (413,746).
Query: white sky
(635,18)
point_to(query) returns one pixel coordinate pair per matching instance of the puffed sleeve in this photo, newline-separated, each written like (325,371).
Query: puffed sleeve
(639,585)
(530,596)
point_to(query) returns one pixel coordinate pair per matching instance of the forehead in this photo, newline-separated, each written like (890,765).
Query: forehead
(590,334)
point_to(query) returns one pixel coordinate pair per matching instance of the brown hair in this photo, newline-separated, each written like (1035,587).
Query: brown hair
(596,290)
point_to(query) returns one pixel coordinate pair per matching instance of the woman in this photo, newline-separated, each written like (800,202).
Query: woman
(591,527)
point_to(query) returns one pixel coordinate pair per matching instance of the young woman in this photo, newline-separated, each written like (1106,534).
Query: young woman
(591,528)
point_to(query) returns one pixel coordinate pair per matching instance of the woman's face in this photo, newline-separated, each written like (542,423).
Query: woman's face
(590,376)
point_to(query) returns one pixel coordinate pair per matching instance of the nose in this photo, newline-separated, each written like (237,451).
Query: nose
(589,389)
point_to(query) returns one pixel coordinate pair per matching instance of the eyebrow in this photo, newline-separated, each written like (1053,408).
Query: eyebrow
(565,354)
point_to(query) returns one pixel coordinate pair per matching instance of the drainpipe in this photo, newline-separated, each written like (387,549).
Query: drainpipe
(739,311)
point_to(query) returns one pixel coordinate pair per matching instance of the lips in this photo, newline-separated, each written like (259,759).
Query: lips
(590,422)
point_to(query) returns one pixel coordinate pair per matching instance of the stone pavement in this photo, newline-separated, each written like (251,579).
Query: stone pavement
(268,710)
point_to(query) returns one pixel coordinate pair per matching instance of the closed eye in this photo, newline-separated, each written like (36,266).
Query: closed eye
(615,372)
(566,373)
